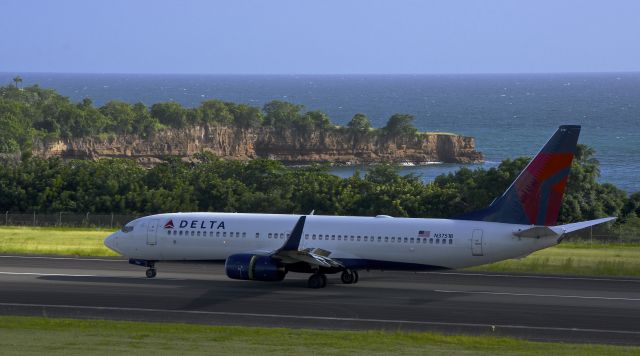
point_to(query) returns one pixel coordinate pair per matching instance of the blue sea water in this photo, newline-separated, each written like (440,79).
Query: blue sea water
(510,115)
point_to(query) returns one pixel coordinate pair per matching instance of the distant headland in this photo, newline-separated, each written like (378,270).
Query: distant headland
(42,123)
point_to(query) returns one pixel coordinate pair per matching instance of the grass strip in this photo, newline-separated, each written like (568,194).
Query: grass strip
(575,259)
(35,335)
(54,241)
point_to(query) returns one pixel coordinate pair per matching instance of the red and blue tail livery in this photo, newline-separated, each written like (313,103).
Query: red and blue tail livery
(535,196)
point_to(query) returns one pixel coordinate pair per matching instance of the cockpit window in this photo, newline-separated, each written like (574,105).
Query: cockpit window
(127,228)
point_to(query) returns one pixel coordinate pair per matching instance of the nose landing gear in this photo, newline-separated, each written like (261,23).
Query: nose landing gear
(151,266)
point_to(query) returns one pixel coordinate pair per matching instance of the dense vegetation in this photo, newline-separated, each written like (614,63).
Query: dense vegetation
(213,184)
(31,113)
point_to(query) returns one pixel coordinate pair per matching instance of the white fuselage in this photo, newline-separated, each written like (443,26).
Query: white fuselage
(360,242)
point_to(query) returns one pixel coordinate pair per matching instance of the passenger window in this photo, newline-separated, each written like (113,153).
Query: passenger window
(366,238)
(393,239)
(313,237)
(437,241)
(257,235)
(306,236)
(431,240)
(224,234)
(386,239)
(352,238)
(175,232)
(193,233)
(282,235)
(269,236)
(244,234)
(424,241)
(358,239)
(217,233)
(450,242)
(411,240)
(169,232)
(180,232)
(198,233)
(406,239)
(339,237)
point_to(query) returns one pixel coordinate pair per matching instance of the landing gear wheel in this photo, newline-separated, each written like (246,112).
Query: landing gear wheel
(151,272)
(347,277)
(317,280)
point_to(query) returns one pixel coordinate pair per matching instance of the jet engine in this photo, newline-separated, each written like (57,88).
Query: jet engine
(254,267)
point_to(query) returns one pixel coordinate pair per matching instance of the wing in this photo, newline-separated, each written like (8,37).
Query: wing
(290,252)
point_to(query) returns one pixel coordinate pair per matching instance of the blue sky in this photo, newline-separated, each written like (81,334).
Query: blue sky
(319,37)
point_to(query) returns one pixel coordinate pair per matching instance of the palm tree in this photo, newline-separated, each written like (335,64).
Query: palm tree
(17,80)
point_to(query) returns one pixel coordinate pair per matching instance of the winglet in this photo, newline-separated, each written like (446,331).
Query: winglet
(293,242)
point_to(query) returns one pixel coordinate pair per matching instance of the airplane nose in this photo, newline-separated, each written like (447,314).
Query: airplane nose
(112,241)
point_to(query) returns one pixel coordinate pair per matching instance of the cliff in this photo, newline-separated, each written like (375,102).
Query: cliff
(291,146)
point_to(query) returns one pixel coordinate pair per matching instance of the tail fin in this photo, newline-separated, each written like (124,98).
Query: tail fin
(536,194)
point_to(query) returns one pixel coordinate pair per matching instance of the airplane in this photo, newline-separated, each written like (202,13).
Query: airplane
(265,247)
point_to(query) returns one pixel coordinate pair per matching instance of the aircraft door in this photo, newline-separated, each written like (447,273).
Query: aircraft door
(476,242)
(152,230)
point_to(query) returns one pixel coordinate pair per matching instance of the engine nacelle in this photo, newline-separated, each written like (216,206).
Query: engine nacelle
(254,267)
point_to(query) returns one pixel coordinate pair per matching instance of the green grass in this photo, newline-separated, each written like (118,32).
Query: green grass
(31,335)
(576,259)
(567,258)
(54,241)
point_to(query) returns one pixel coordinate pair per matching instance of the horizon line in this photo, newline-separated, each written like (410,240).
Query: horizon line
(323,74)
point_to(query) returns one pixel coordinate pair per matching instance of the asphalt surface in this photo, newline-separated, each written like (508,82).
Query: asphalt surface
(589,309)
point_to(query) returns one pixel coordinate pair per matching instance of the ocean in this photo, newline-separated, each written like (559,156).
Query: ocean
(510,115)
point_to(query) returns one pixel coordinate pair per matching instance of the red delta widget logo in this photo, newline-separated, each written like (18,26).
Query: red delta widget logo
(169,225)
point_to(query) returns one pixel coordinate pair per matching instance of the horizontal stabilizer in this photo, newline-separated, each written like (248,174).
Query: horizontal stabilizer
(583,224)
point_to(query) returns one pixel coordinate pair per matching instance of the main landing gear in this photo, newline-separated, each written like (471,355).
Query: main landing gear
(317,280)
(151,272)
(349,277)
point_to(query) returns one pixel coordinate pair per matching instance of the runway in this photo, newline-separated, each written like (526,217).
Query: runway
(576,309)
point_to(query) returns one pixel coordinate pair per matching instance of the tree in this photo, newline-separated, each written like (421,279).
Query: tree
(400,125)
(318,119)
(216,111)
(17,80)
(281,114)
(144,124)
(359,124)
(121,116)
(246,116)
(170,114)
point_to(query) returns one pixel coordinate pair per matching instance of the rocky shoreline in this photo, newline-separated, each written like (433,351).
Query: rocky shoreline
(289,145)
